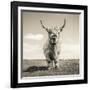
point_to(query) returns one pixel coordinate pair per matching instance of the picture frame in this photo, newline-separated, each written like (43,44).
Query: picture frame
(25,20)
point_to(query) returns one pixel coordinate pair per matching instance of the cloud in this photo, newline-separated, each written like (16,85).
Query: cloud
(70,47)
(70,51)
(31,48)
(34,36)
(32,51)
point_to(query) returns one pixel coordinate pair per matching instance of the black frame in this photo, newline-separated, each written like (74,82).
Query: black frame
(14,44)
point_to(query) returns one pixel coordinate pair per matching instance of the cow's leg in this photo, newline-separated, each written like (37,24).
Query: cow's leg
(48,63)
(56,63)
(52,64)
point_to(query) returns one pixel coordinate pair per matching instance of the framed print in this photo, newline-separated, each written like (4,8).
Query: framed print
(48,44)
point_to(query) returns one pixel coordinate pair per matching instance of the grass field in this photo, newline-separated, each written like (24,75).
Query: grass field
(31,68)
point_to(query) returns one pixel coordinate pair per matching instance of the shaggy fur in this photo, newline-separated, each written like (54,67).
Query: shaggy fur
(52,46)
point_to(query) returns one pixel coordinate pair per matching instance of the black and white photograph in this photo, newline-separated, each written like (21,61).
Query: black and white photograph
(50,44)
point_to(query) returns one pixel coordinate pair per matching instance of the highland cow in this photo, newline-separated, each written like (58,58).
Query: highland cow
(52,47)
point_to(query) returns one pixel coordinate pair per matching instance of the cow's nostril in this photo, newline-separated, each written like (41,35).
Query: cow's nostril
(54,39)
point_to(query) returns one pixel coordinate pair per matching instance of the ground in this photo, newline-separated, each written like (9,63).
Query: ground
(31,68)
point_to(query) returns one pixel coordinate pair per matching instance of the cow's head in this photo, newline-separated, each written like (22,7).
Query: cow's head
(54,33)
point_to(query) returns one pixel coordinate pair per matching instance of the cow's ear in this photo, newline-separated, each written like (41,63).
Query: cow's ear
(44,26)
(61,28)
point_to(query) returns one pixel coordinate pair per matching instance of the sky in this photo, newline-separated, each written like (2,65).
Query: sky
(34,36)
